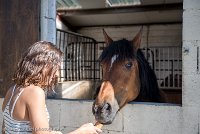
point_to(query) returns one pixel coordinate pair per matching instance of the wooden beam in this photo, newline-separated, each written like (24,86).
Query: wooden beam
(66,23)
(115,10)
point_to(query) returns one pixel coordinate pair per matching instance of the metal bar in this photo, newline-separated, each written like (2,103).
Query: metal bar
(57,40)
(94,59)
(168,66)
(79,59)
(159,64)
(64,58)
(83,61)
(173,55)
(163,66)
(87,63)
(154,60)
(91,58)
(75,34)
(168,69)
(79,54)
(76,58)
(180,73)
(72,59)
(153,56)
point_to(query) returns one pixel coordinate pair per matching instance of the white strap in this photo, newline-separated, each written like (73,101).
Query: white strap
(13,106)
(12,94)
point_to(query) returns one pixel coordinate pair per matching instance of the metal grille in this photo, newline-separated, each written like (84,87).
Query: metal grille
(79,60)
(167,64)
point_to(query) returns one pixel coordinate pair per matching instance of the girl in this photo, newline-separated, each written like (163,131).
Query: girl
(24,108)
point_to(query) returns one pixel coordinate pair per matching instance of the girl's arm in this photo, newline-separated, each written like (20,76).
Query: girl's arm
(37,112)
(38,116)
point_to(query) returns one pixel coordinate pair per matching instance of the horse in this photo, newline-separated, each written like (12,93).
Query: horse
(127,76)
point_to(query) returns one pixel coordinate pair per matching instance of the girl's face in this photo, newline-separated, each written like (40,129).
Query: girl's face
(54,78)
(57,74)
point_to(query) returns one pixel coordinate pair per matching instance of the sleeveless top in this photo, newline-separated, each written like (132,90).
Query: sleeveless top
(13,126)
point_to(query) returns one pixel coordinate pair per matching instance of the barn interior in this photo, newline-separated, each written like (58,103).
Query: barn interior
(79,26)
(167,24)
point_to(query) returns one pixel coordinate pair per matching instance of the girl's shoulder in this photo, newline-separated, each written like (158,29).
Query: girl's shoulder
(34,89)
(32,93)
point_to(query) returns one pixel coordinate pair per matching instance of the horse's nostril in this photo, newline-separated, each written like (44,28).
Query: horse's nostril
(107,107)
(99,109)
(95,109)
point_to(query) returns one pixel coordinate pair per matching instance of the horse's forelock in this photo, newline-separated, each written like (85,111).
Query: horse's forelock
(123,48)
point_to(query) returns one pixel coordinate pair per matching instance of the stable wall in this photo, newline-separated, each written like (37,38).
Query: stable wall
(134,118)
(191,72)
(84,89)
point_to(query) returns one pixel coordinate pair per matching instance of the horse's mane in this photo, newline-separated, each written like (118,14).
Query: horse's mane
(149,90)
(124,49)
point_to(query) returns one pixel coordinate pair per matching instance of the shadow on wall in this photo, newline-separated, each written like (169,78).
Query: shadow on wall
(75,90)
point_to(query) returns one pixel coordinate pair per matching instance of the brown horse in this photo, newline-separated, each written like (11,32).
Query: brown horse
(127,76)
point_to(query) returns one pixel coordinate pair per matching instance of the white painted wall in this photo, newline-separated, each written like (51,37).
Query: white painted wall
(138,118)
(153,35)
(191,73)
(133,119)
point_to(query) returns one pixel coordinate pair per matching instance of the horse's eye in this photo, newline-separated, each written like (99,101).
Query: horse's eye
(129,65)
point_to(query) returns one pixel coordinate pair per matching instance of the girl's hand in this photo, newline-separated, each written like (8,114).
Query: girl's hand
(88,128)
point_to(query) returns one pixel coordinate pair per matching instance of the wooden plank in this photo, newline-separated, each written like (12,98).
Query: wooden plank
(19,26)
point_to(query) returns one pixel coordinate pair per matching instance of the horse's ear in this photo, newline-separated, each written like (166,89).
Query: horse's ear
(108,40)
(137,39)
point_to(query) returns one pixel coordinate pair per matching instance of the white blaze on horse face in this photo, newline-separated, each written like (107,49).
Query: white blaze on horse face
(106,96)
(113,59)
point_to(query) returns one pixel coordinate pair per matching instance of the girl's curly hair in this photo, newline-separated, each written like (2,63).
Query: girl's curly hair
(38,65)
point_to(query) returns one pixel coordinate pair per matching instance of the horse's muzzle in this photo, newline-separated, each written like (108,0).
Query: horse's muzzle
(103,113)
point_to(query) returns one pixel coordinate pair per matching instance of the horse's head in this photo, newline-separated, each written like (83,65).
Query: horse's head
(121,82)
